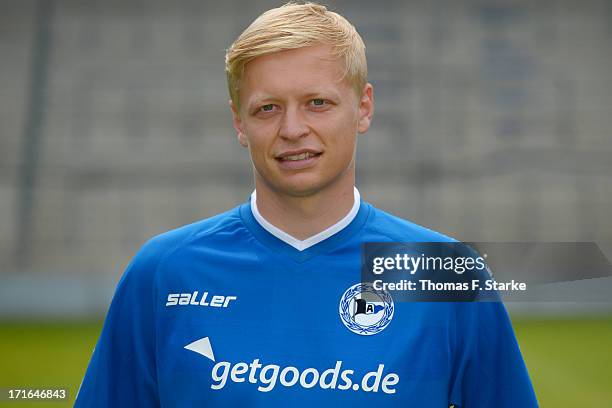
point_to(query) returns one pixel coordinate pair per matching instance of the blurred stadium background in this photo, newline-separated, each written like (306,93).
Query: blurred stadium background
(493,123)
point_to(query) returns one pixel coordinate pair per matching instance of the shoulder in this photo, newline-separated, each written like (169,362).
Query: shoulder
(160,246)
(398,229)
(207,227)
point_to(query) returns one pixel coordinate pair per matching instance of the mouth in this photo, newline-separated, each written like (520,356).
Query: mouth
(298,159)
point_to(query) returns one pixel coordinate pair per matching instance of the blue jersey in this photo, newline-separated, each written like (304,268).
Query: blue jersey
(223,313)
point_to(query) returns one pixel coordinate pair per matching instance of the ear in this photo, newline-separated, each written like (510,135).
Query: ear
(237,122)
(366,108)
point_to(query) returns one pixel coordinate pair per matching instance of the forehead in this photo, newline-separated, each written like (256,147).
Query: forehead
(294,72)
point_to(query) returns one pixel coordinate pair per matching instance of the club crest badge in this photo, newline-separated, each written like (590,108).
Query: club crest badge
(364,310)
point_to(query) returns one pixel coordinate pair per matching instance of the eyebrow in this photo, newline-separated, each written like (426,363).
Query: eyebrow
(329,94)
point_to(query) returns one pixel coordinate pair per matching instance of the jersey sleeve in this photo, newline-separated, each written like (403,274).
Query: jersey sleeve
(489,368)
(122,370)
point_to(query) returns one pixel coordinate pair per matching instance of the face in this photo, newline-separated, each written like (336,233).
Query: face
(300,119)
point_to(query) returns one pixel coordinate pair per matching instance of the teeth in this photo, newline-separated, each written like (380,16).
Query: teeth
(300,156)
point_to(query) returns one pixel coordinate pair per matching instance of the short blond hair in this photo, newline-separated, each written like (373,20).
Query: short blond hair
(295,26)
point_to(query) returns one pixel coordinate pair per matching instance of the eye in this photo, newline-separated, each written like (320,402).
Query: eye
(318,102)
(267,108)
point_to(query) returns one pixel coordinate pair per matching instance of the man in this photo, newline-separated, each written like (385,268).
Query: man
(263,305)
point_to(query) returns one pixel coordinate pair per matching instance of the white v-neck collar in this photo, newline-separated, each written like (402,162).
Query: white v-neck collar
(301,245)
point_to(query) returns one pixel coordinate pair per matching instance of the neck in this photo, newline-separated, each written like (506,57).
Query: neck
(303,217)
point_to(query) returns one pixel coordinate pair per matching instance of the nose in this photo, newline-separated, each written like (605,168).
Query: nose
(293,125)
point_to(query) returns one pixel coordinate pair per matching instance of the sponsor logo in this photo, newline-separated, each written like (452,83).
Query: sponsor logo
(267,377)
(364,310)
(195,299)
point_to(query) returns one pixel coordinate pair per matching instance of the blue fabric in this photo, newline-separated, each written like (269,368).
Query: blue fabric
(266,324)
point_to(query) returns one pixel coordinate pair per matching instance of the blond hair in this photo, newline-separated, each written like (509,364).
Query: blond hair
(295,26)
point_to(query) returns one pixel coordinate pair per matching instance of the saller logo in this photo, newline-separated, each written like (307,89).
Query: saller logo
(194,299)
(267,377)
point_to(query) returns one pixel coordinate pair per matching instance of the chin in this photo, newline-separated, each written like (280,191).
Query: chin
(298,186)
(300,190)
(306,186)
